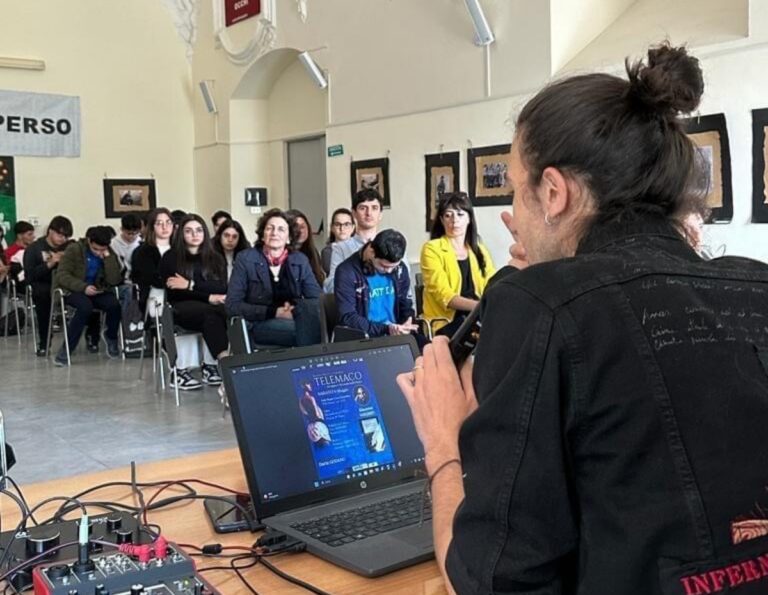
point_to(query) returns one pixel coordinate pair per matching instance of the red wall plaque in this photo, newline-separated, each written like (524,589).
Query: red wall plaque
(239,10)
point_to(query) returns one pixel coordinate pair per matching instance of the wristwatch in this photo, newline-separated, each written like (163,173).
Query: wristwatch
(191,284)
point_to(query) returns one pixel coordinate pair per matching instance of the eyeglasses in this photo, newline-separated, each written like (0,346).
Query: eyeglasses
(345,225)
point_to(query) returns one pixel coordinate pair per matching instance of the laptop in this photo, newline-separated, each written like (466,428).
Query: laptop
(330,451)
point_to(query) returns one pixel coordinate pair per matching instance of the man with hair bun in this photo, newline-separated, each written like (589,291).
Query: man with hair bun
(611,438)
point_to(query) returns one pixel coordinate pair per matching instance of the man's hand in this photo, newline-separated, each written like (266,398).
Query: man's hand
(91,291)
(285,311)
(519,257)
(440,401)
(217,298)
(177,282)
(53,259)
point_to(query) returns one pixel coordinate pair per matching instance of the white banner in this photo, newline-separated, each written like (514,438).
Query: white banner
(39,124)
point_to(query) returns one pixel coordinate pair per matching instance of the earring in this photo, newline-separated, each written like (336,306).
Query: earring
(547,222)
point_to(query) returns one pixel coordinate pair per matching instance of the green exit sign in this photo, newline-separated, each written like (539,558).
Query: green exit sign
(335,150)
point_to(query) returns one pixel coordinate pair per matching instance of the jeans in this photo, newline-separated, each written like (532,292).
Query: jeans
(84,306)
(304,329)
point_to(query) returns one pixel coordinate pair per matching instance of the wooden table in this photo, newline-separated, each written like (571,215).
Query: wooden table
(187,523)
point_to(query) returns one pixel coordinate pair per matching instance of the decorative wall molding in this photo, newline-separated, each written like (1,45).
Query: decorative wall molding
(302,6)
(262,41)
(184,14)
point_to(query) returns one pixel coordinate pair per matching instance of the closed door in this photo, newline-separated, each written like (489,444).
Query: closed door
(306,180)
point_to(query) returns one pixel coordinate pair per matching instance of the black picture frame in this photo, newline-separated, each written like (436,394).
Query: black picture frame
(255,197)
(710,134)
(759,166)
(371,173)
(491,188)
(123,196)
(437,166)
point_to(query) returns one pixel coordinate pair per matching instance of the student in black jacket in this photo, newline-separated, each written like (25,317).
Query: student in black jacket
(145,261)
(195,276)
(40,260)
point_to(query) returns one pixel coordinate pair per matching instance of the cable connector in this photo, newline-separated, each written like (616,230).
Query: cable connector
(142,552)
(288,545)
(212,549)
(270,538)
(161,547)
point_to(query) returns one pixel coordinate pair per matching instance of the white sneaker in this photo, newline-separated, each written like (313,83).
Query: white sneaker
(211,374)
(186,380)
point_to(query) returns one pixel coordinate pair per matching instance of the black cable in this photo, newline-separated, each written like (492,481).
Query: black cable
(21,495)
(291,579)
(239,574)
(138,493)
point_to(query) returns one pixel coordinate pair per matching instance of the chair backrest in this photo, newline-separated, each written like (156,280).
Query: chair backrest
(418,291)
(329,316)
(239,339)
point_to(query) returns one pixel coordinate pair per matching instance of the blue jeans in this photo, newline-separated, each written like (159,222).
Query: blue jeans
(84,306)
(304,329)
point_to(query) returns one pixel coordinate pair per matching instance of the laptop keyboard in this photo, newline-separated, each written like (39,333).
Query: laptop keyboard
(360,523)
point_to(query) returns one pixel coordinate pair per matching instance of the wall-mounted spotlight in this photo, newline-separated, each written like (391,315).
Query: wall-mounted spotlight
(318,76)
(483,33)
(207,90)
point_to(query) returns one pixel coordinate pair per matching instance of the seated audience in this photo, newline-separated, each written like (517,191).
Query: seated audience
(456,267)
(177,215)
(305,243)
(366,206)
(87,272)
(40,260)
(273,287)
(145,273)
(218,218)
(342,228)
(372,287)
(195,276)
(124,243)
(229,241)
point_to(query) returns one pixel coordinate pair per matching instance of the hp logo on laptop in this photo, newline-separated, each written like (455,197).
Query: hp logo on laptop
(363,485)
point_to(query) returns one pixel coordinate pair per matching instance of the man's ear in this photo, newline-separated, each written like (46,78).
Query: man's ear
(556,192)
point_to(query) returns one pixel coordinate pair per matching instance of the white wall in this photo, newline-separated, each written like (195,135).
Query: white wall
(127,64)
(575,24)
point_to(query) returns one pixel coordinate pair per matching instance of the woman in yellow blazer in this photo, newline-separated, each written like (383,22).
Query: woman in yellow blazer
(455,266)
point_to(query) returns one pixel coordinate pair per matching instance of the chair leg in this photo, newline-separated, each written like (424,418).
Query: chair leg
(15,302)
(66,330)
(176,385)
(50,329)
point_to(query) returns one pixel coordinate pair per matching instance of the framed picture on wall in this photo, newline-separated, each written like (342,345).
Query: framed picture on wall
(759,166)
(371,173)
(255,197)
(710,135)
(7,199)
(487,176)
(442,177)
(128,196)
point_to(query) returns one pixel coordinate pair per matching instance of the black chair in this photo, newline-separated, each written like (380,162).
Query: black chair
(426,324)
(239,338)
(329,318)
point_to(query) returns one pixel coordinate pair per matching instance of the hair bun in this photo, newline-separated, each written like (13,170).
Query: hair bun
(671,82)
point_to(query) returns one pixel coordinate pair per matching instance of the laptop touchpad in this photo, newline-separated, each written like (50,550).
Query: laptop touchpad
(420,537)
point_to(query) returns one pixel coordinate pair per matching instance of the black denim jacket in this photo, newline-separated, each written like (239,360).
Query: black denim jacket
(621,442)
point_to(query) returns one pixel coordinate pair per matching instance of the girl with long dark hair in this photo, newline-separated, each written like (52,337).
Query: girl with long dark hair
(229,241)
(195,276)
(304,242)
(455,265)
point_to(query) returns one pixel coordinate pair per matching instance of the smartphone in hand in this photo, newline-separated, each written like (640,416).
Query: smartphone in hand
(464,341)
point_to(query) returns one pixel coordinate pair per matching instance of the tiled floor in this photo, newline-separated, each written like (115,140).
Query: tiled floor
(98,415)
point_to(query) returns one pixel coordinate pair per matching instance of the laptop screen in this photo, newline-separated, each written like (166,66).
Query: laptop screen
(323,421)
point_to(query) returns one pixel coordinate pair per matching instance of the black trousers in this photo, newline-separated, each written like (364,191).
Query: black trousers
(41,294)
(205,318)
